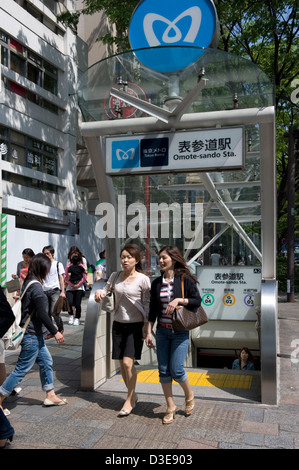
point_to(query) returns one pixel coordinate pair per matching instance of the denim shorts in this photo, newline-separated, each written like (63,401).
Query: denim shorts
(172,347)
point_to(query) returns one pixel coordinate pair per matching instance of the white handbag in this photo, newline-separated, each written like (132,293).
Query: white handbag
(108,302)
(13,337)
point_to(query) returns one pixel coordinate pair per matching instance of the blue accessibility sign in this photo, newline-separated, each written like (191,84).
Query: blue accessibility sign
(190,26)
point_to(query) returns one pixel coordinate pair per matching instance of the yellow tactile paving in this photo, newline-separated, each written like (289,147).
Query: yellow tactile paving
(202,379)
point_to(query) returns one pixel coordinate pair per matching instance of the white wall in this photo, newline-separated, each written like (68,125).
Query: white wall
(18,239)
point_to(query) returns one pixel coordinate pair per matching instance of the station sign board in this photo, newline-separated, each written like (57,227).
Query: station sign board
(196,150)
(156,23)
(229,292)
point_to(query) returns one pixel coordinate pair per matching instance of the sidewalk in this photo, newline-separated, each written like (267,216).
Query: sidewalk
(225,418)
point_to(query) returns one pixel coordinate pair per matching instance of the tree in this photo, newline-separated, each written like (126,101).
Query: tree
(266,32)
(263,31)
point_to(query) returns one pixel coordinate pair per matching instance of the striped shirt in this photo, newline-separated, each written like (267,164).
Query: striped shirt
(166,296)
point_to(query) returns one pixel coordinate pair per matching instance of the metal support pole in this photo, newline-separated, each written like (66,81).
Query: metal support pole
(106,194)
(291,217)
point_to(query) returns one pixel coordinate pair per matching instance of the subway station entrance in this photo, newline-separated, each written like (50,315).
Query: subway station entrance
(187,158)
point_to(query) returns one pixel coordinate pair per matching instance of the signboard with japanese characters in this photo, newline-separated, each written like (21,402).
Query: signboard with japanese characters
(228,292)
(197,150)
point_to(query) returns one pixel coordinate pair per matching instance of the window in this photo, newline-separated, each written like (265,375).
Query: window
(41,15)
(28,152)
(30,65)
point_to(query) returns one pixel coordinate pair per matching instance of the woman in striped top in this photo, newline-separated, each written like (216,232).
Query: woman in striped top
(172,346)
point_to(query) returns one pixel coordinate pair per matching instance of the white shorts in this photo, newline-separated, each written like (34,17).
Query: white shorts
(2,352)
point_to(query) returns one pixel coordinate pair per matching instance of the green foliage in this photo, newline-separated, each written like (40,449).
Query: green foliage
(282,276)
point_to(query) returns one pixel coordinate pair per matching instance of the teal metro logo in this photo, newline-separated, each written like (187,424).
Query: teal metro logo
(125,154)
(158,25)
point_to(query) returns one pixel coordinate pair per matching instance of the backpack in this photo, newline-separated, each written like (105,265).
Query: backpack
(13,337)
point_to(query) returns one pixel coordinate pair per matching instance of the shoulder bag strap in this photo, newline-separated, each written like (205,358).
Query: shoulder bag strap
(29,284)
(182,282)
(114,281)
(31,314)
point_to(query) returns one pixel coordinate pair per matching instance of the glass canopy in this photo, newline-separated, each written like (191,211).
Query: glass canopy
(232,82)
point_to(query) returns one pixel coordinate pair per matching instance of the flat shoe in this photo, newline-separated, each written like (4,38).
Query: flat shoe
(48,402)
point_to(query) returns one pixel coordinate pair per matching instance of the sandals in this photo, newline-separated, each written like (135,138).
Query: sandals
(189,406)
(169,416)
(124,412)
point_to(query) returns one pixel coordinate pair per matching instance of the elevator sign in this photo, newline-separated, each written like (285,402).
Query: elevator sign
(158,24)
(196,150)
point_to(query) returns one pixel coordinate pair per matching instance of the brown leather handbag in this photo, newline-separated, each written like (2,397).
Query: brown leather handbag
(185,320)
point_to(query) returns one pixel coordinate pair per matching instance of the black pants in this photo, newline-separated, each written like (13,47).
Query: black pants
(53,296)
(74,298)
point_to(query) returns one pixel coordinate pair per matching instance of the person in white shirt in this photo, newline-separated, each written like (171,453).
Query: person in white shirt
(54,286)
(101,266)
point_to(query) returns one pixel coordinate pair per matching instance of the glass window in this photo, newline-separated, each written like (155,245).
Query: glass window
(3,131)
(49,68)
(22,150)
(4,56)
(50,166)
(17,155)
(16,47)
(34,160)
(4,149)
(34,12)
(35,58)
(30,65)
(34,74)
(34,98)
(50,84)
(3,37)
(17,64)
(17,137)
(51,4)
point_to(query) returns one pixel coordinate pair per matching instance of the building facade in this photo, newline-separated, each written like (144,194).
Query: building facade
(42,203)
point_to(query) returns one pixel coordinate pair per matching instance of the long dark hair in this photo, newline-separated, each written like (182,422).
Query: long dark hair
(74,250)
(134,251)
(180,266)
(39,267)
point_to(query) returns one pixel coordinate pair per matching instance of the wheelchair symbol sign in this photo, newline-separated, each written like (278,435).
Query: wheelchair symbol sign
(229,300)
(208,300)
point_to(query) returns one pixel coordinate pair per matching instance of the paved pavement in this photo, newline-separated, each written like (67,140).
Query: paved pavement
(224,418)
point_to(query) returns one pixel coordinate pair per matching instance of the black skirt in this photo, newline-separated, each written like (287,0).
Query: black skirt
(127,340)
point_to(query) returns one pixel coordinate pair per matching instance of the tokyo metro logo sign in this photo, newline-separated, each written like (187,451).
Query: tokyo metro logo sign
(158,24)
(172,34)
